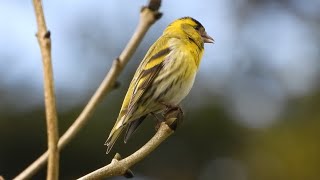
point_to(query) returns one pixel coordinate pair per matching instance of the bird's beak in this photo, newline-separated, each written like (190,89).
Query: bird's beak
(206,38)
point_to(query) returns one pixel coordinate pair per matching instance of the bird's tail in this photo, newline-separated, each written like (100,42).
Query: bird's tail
(115,133)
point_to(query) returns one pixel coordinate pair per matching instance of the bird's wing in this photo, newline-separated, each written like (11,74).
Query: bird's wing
(145,74)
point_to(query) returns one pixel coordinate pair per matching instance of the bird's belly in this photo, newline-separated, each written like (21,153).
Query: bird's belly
(176,88)
(179,92)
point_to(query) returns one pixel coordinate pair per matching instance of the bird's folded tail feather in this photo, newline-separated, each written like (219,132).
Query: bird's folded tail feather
(132,127)
(113,138)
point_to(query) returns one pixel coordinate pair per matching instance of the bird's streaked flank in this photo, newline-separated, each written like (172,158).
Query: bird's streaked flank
(164,77)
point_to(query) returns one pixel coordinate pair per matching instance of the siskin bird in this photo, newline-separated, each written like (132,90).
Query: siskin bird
(164,77)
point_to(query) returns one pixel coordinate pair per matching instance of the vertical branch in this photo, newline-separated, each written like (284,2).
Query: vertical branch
(44,41)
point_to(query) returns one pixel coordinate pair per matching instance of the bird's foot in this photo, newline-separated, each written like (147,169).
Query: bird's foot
(173,116)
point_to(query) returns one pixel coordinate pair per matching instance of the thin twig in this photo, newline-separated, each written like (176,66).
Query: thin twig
(120,167)
(43,36)
(148,16)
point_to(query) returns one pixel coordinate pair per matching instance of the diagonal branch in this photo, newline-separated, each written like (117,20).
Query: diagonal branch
(117,167)
(148,15)
(43,36)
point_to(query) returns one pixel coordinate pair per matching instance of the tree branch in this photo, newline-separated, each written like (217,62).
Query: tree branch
(117,167)
(148,15)
(43,36)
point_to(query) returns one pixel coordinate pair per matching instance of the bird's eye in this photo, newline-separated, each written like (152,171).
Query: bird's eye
(197,27)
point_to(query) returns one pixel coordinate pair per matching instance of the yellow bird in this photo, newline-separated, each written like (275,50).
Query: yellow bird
(164,77)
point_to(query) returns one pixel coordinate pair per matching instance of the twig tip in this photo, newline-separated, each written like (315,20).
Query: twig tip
(154,5)
(117,157)
(47,35)
(158,15)
(128,174)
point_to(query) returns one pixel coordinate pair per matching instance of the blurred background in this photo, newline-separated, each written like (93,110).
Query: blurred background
(253,112)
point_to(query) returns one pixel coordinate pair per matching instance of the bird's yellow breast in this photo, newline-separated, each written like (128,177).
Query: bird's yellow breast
(188,49)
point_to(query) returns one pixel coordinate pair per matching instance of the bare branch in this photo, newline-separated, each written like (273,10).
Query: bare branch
(43,36)
(173,117)
(147,17)
(121,167)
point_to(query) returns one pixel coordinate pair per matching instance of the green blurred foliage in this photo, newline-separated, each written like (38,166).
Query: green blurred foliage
(290,149)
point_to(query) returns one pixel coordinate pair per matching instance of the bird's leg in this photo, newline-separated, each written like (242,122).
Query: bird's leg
(168,106)
(156,117)
(173,115)
(158,120)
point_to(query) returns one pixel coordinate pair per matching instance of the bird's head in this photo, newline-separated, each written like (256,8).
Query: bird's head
(191,27)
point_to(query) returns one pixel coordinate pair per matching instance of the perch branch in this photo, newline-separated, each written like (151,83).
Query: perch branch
(120,167)
(173,118)
(148,15)
(44,40)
